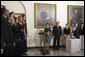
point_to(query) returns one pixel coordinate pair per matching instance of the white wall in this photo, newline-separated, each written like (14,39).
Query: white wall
(15,6)
(61,15)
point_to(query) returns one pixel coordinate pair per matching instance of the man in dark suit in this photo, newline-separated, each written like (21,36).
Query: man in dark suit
(57,32)
(7,33)
(3,30)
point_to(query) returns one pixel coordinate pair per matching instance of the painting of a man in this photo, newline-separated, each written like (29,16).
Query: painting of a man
(45,13)
(76,16)
(45,17)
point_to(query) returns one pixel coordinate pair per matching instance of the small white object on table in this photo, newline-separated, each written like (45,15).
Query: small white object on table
(73,45)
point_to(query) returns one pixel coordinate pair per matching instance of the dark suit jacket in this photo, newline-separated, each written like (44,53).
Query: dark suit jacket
(81,31)
(2,42)
(2,34)
(57,32)
(7,31)
(77,32)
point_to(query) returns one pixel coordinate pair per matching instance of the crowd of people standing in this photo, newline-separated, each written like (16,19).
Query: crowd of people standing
(13,33)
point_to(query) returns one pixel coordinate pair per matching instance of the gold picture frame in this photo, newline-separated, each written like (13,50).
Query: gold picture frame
(75,14)
(44,13)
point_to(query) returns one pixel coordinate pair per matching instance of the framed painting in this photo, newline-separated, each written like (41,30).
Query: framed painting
(75,15)
(44,13)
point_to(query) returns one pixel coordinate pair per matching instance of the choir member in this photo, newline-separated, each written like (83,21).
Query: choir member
(2,35)
(24,20)
(18,39)
(7,33)
(22,34)
(25,25)
(13,29)
(13,34)
(11,16)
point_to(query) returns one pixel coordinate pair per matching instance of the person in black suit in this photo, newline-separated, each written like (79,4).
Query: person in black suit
(77,31)
(57,32)
(66,31)
(7,33)
(4,33)
(82,29)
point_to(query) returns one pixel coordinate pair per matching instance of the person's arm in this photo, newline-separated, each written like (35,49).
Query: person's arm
(53,31)
(26,27)
(60,31)
(2,51)
(25,33)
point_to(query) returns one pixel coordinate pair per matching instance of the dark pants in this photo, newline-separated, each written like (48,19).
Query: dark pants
(6,51)
(18,49)
(9,51)
(25,45)
(58,42)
